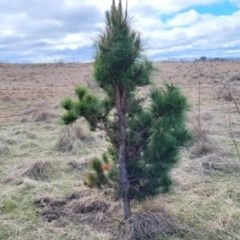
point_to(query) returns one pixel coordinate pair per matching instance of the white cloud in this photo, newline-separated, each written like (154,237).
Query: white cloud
(75,41)
(186,18)
(66,28)
(205,33)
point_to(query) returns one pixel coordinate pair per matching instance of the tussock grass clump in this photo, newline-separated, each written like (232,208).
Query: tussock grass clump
(74,165)
(225,94)
(66,140)
(7,99)
(71,138)
(14,180)
(45,116)
(32,109)
(37,112)
(155,205)
(204,144)
(216,162)
(38,170)
(203,148)
(235,77)
(149,225)
(89,204)
(4,150)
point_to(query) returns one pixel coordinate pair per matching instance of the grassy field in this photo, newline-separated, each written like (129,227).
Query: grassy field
(43,164)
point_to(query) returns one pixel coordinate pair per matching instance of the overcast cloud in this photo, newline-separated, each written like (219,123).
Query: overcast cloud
(44,31)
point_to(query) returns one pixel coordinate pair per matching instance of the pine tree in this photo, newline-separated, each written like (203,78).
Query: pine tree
(145,139)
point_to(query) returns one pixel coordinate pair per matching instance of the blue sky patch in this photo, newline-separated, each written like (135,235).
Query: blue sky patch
(216,9)
(225,8)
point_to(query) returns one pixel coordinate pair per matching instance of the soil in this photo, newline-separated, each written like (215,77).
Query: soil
(101,214)
(83,207)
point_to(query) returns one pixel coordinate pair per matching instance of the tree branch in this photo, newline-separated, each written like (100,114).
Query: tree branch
(104,128)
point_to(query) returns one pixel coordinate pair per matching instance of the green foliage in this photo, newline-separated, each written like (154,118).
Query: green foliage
(67,104)
(152,136)
(152,156)
(103,172)
(87,106)
(69,117)
(80,92)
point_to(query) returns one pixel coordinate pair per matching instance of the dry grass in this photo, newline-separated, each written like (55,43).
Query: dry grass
(226,94)
(66,140)
(204,142)
(235,77)
(72,138)
(38,170)
(75,165)
(45,116)
(204,146)
(79,208)
(38,112)
(90,204)
(204,203)
(149,225)
(4,150)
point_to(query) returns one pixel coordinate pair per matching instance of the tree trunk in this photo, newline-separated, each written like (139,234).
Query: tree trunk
(126,207)
(124,181)
(120,104)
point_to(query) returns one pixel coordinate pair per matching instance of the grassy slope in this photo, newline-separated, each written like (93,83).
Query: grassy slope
(206,202)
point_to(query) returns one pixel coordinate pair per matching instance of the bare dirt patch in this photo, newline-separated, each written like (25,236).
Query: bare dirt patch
(81,207)
(77,207)
(103,214)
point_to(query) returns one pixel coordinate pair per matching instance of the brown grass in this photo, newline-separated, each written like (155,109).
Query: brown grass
(67,140)
(204,202)
(38,112)
(149,225)
(71,138)
(235,77)
(75,165)
(79,208)
(4,150)
(38,170)
(45,116)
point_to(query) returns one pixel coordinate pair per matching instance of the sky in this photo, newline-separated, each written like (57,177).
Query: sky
(64,30)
